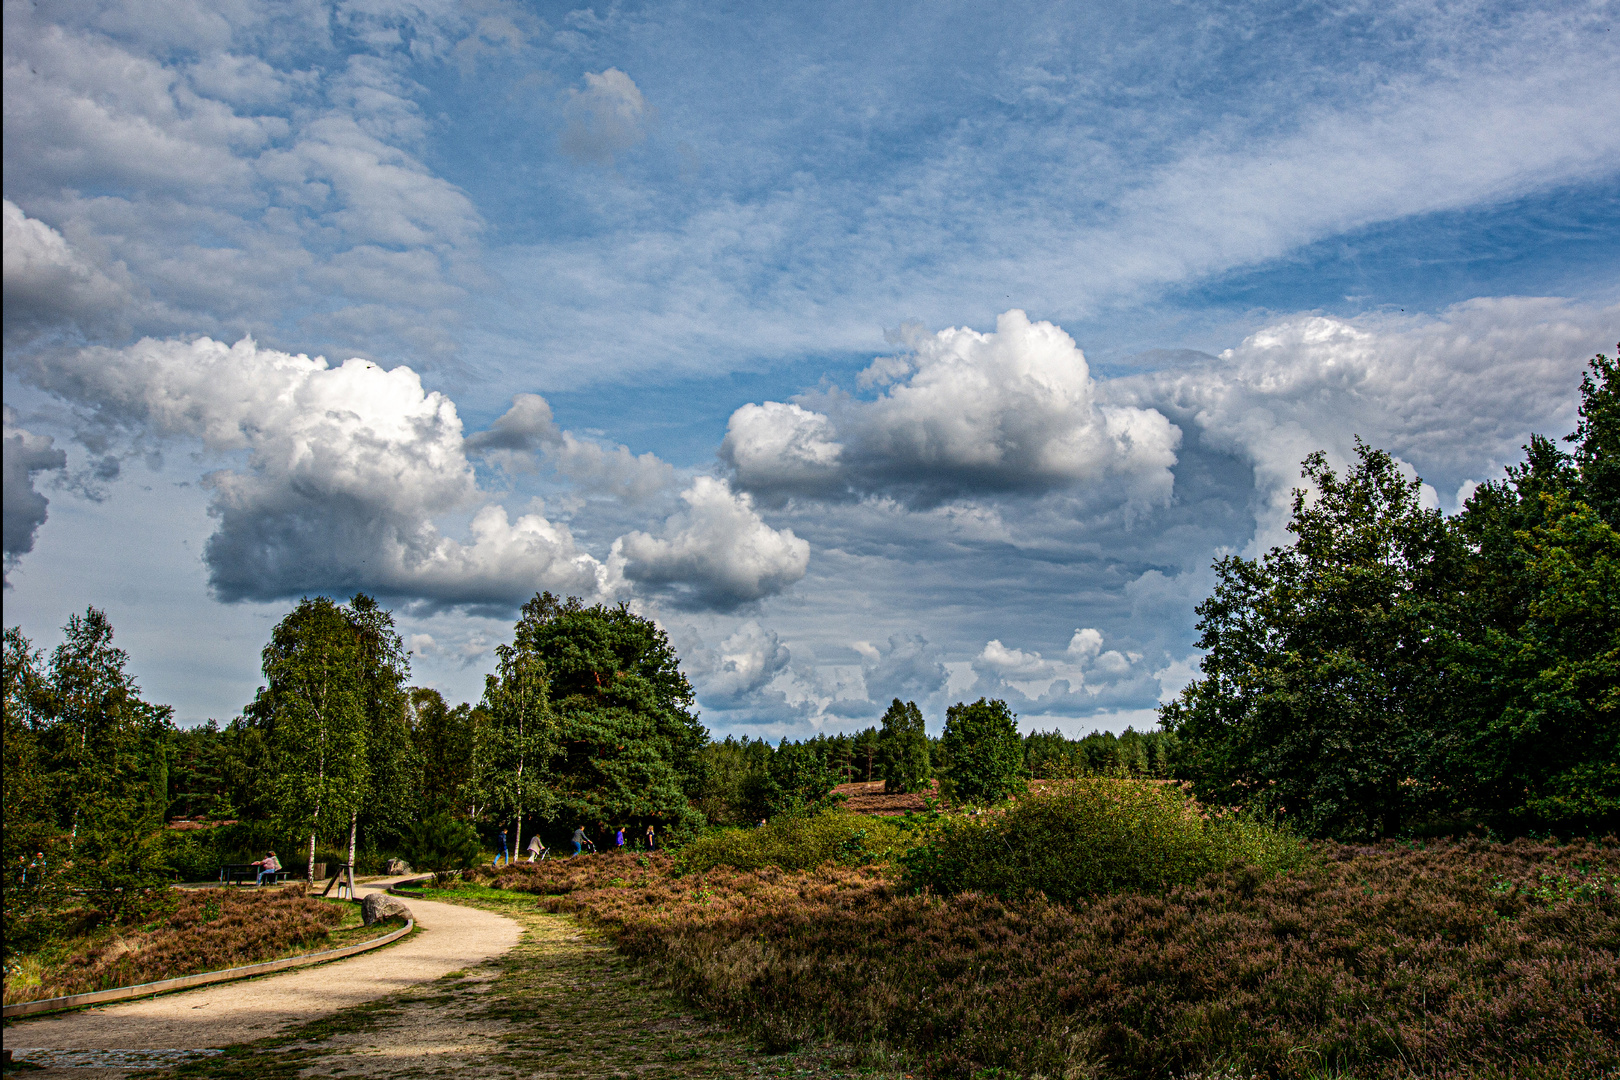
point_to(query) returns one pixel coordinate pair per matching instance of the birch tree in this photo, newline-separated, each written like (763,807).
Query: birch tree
(314,708)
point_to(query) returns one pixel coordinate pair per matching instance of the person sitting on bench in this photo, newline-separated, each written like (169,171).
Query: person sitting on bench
(269,865)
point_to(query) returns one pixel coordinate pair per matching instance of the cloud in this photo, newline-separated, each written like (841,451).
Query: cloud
(1455,395)
(527,431)
(736,673)
(718,553)
(907,666)
(25,456)
(605,119)
(1085,679)
(49,285)
(1013,411)
(346,471)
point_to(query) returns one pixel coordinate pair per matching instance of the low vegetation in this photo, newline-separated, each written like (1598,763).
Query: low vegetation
(800,842)
(1451,959)
(206,930)
(1083,837)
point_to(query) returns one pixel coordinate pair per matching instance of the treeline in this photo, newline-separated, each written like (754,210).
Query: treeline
(750,779)
(1394,669)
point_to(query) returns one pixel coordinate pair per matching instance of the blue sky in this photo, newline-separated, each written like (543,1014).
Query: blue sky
(925,351)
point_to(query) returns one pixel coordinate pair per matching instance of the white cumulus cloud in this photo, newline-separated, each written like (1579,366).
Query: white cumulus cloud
(716,553)
(1015,410)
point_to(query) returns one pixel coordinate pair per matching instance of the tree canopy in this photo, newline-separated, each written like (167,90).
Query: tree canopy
(1395,669)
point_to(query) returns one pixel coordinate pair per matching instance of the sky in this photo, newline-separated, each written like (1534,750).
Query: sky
(927,351)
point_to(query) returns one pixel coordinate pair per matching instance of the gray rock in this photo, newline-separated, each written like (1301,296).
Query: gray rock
(398,866)
(378,906)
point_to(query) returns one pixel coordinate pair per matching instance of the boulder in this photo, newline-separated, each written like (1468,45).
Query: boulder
(398,866)
(378,906)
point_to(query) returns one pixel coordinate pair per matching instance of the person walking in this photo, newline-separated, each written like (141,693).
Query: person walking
(579,839)
(536,848)
(618,840)
(651,838)
(505,853)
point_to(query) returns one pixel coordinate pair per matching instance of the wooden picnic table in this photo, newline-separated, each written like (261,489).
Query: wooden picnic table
(236,873)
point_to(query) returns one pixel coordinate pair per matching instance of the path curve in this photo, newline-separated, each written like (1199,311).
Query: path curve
(451,937)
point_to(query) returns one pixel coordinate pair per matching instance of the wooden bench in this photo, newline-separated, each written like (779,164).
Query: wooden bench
(243,873)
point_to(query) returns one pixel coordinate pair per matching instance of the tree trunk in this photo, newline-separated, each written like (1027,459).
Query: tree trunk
(354,824)
(312,859)
(517,834)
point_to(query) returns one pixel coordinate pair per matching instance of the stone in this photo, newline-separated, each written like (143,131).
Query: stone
(398,866)
(378,906)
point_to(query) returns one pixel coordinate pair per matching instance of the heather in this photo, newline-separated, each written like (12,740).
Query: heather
(1450,959)
(800,842)
(1080,837)
(206,930)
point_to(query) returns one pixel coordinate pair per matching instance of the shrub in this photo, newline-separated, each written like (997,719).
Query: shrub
(1091,836)
(443,842)
(800,842)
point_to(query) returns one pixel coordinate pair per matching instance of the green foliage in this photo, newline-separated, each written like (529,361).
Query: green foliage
(1393,670)
(1323,660)
(1087,837)
(314,714)
(521,736)
(902,757)
(443,842)
(393,787)
(800,842)
(630,745)
(121,862)
(444,744)
(731,765)
(1051,755)
(986,755)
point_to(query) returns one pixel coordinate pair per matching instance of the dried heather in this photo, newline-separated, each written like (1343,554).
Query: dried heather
(208,930)
(1452,960)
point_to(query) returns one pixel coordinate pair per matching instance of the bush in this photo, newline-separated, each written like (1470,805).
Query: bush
(800,842)
(1091,836)
(443,842)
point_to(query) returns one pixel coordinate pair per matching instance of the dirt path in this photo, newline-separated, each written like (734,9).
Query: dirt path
(452,938)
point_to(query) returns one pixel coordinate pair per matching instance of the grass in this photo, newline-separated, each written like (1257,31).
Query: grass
(208,930)
(1451,960)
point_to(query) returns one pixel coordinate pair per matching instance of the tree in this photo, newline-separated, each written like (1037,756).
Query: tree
(1322,671)
(314,711)
(798,779)
(522,733)
(902,758)
(985,752)
(630,745)
(1534,695)
(393,789)
(444,744)
(28,897)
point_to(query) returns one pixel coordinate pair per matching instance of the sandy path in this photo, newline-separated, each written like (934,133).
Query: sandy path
(452,937)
